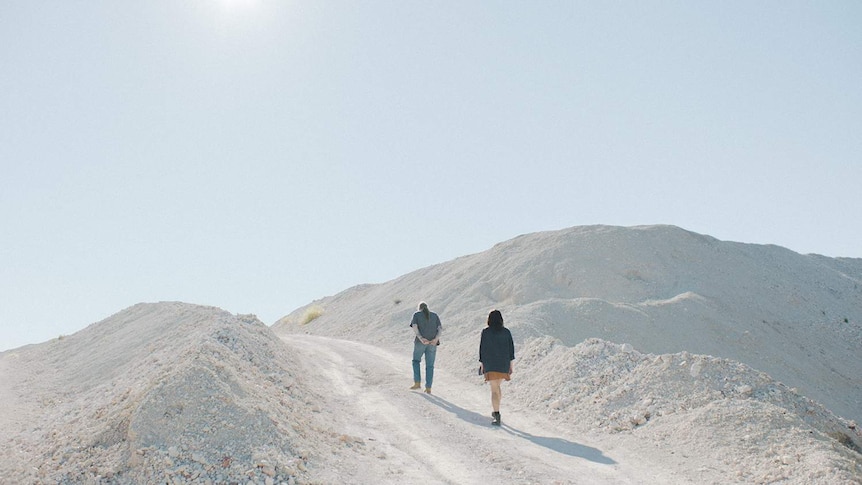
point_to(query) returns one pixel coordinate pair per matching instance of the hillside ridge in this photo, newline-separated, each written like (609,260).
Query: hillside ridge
(796,317)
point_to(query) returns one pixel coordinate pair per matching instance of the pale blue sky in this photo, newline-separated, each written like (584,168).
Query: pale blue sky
(257,155)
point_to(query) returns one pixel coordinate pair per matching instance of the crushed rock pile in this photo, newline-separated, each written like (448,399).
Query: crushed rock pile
(661,288)
(694,406)
(161,393)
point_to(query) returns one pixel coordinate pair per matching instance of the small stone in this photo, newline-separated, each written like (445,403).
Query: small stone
(638,420)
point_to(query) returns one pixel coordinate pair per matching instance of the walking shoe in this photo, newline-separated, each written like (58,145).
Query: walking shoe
(496,416)
(415,385)
(427,390)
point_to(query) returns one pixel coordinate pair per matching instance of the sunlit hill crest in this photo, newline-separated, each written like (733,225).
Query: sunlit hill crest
(661,289)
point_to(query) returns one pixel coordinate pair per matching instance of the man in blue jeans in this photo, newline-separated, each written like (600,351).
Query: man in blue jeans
(427,328)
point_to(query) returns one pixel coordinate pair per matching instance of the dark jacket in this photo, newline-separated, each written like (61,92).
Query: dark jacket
(496,349)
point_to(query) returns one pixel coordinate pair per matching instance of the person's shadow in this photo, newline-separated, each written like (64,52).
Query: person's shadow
(554,444)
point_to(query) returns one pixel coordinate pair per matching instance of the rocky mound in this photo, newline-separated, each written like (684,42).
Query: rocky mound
(696,407)
(660,288)
(158,393)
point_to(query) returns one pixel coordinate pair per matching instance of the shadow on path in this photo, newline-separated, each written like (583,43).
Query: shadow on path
(461,413)
(554,444)
(565,447)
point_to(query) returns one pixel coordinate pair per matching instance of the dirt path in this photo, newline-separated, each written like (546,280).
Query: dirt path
(446,437)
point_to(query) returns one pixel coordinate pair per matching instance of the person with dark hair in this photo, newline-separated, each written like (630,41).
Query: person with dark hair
(427,330)
(496,353)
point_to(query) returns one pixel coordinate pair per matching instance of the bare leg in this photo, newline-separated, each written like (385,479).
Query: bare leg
(496,394)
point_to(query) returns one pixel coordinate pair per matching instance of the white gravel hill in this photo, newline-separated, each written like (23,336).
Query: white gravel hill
(644,355)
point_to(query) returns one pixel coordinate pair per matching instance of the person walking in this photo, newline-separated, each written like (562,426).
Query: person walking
(427,330)
(496,353)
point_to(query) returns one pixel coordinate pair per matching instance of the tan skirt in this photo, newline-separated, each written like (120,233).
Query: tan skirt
(493,376)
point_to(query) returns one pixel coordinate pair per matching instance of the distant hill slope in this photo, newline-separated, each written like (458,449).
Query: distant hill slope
(158,393)
(661,289)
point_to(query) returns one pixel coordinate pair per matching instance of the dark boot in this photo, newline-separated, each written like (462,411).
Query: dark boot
(496,416)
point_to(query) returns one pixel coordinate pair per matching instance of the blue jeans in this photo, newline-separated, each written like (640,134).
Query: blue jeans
(430,352)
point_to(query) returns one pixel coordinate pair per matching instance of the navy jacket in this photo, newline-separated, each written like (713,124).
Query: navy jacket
(496,349)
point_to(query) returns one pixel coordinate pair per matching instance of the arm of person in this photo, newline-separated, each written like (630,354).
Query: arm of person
(439,333)
(482,354)
(511,354)
(419,335)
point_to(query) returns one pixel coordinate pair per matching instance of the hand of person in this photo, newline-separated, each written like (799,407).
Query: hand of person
(423,340)
(433,342)
(511,368)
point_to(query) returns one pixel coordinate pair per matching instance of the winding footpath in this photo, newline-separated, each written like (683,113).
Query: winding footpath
(403,436)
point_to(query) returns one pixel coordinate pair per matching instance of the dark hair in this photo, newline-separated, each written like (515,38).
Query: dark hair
(424,308)
(495,319)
